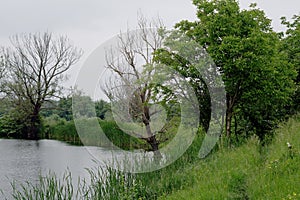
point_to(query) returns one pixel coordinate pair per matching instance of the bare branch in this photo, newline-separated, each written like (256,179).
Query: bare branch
(36,64)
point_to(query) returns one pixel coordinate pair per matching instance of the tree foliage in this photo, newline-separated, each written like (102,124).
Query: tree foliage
(291,46)
(171,58)
(257,76)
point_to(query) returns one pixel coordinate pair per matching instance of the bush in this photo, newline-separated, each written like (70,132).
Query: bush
(12,125)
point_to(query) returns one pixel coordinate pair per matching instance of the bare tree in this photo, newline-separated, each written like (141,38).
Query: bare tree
(36,64)
(130,88)
(2,73)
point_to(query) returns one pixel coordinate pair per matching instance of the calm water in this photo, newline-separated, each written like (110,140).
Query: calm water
(23,160)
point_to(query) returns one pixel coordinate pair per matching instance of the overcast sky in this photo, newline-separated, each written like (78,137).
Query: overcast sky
(88,23)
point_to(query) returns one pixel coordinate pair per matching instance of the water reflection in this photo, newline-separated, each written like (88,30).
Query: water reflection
(23,160)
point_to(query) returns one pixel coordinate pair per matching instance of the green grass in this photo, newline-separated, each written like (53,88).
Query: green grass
(50,188)
(248,171)
(108,184)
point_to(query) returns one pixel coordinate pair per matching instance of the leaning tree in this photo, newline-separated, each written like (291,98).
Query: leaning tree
(129,88)
(36,64)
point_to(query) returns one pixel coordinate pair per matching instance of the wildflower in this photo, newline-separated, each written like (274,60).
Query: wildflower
(294,194)
(289,145)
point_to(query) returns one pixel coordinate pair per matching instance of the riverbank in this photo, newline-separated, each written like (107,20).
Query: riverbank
(247,171)
(62,130)
(65,131)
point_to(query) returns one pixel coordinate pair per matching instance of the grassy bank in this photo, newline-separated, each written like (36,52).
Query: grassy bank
(248,171)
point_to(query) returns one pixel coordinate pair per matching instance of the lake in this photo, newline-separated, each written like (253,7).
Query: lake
(24,160)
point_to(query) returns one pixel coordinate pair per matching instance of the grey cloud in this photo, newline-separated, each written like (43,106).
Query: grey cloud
(33,15)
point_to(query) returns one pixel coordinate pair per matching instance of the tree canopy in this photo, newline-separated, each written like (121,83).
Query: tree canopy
(258,79)
(291,46)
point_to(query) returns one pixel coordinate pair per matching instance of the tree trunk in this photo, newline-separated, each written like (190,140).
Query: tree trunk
(228,123)
(33,129)
(205,111)
(235,128)
(229,114)
(34,125)
(153,143)
(151,138)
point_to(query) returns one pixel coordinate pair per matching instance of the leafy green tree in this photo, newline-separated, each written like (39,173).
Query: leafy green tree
(102,107)
(13,124)
(61,107)
(84,106)
(36,63)
(187,70)
(64,108)
(291,45)
(257,77)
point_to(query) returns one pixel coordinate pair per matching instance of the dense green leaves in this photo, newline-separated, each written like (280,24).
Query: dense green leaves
(257,77)
(291,46)
(196,81)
